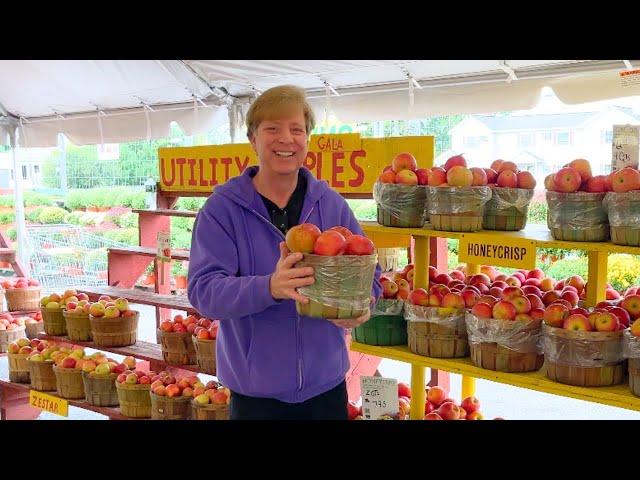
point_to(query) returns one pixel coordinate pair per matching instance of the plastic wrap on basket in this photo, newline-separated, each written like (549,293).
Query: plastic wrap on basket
(447,200)
(507,209)
(582,350)
(577,216)
(342,287)
(388,306)
(445,316)
(438,332)
(623,210)
(630,345)
(400,205)
(523,336)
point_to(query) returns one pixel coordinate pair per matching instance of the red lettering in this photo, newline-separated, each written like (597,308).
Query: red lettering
(213,162)
(242,166)
(181,162)
(319,168)
(335,156)
(192,180)
(356,182)
(226,161)
(168,182)
(203,181)
(310,161)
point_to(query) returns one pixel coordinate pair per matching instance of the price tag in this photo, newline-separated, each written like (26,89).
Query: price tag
(630,78)
(49,403)
(164,246)
(624,147)
(379,397)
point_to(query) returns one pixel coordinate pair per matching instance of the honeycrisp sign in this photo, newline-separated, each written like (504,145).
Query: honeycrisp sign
(349,164)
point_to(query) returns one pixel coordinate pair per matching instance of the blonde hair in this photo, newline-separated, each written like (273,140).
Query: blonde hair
(277,101)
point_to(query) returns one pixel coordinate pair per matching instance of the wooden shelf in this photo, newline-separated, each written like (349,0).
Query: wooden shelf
(176,302)
(111,412)
(167,212)
(617,396)
(149,252)
(151,352)
(538,233)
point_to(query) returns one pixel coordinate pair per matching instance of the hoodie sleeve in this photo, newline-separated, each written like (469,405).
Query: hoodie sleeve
(214,288)
(348,220)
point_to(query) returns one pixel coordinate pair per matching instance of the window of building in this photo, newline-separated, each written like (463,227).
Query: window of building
(562,138)
(24,172)
(526,140)
(474,141)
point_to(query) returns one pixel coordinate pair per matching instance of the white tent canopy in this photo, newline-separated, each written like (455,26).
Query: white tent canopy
(123,100)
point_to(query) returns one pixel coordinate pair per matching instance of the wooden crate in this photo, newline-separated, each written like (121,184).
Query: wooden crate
(114,332)
(209,411)
(18,367)
(134,399)
(23,298)
(9,336)
(54,322)
(402,206)
(41,376)
(205,354)
(170,408)
(177,347)
(584,359)
(577,216)
(78,326)
(100,391)
(69,382)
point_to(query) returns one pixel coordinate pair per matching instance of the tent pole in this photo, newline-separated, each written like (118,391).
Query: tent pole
(21,229)
(63,164)
(233,127)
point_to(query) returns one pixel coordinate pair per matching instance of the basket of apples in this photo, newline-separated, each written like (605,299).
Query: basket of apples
(21,293)
(204,341)
(99,378)
(435,323)
(387,325)
(11,329)
(212,403)
(585,348)
(40,364)
(574,197)
(511,195)
(134,394)
(76,316)
(171,398)
(175,338)
(623,206)
(505,336)
(113,324)
(18,352)
(456,196)
(51,307)
(400,193)
(68,371)
(34,324)
(344,266)
(631,348)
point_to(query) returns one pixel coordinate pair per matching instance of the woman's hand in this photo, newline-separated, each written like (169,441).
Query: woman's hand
(286,278)
(353,322)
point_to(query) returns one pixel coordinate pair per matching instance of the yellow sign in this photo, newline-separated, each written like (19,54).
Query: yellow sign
(49,403)
(349,164)
(500,252)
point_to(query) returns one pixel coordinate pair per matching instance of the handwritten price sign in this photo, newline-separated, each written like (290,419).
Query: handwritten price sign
(624,148)
(379,397)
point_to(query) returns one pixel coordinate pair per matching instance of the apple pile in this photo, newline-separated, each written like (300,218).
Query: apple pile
(397,285)
(440,407)
(19,282)
(404,170)
(43,351)
(206,329)
(69,300)
(164,384)
(505,174)
(576,176)
(190,324)
(24,346)
(338,240)
(106,307)
(212,393)
(135,377)
(8,322)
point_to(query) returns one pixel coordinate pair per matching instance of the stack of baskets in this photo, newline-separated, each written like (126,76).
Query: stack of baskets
(177,347)
(631,348)
(457,209)
(205,354)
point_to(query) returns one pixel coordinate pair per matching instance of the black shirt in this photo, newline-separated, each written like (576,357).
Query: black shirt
(289,216)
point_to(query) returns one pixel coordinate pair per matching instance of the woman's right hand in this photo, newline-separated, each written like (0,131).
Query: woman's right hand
(286,278)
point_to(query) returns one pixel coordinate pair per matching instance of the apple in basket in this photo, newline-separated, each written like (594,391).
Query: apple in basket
(111,312)
(97,309)
(302,238)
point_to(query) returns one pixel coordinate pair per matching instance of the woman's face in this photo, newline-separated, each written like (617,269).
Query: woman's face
(281,144)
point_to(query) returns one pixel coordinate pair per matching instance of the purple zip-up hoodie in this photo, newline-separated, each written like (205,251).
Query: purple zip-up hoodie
(264,348)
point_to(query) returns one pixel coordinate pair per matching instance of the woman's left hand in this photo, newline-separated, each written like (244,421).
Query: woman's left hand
(352,322)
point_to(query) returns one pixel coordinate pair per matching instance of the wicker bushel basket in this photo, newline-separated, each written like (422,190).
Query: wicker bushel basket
(209,411)
(507,209)
(135,400)
(623,211)
(114,332)
(342,287)
(54,322)
(584,359)
(42,376)
(401,206)
(577,216)
(386,326)
(69,382)
(631,350)
(100,391)
(177,347)
(634,375)
(170,408)
(457,209)
(205,354)
(34,329)
(436,332)
(18,367)
(78,326)
(19,299)
(8,336)
(505,345)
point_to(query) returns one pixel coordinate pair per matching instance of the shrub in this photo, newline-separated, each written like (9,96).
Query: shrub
(623,271)
(124,235)
(52,215)
(7,217)
(191,203)
(73,218)
(127,220)
(34,215)
(567,267)
(178,268)
(537,212)
(12,234)
(35,199)
(363,209)
(180,239)
(182,223)
(6,201)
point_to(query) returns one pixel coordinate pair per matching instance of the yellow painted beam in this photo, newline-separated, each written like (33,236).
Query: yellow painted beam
(597,278)
(473,268)
(418,393)
(468,386)
(421,276)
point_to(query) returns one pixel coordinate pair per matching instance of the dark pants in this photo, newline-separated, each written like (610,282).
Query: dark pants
(330,405)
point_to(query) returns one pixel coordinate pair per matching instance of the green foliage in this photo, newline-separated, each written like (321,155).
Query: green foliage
(363,209)
(7,217)
(129,236)
(73,218)
(178,268)
(96,260)
(180,239)
(34,215)
(452,246)
(7,201)
(12,234)
(623,271)
(537,213)
(105,197)
(567,267)
(190,203)
(50,215)
(128,220)
(182,223)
